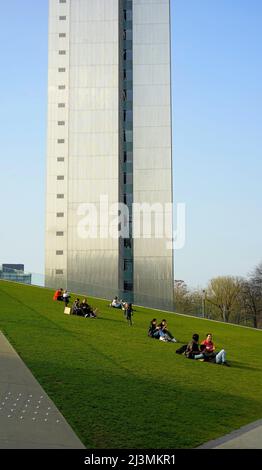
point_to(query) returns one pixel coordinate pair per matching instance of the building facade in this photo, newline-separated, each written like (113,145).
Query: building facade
(109,142)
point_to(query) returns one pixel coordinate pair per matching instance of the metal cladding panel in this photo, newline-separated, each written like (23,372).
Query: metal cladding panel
(93,140)
(83,93)
(153,257)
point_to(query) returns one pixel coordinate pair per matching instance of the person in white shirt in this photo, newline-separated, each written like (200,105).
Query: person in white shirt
(66,297)
(116,303)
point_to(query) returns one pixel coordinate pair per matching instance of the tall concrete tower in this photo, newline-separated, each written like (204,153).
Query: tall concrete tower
(109,142)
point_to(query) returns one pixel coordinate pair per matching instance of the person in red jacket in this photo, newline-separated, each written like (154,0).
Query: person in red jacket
(208,343)
(208,349)
(58,295)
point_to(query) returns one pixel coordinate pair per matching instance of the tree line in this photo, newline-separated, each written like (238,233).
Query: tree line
(226,298)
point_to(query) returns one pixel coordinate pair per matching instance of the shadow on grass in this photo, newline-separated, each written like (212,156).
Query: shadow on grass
(113,408)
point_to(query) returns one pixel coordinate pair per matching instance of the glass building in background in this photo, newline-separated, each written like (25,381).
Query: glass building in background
(109,134)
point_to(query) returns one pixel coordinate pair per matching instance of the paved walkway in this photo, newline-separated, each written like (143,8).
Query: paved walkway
(29,419)
(247,437)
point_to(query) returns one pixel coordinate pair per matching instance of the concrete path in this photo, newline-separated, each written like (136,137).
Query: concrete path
(247,437)
(28,418)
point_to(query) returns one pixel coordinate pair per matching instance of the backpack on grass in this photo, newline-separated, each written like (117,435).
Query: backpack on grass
(181,350)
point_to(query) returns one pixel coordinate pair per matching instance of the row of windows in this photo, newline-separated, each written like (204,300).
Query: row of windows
(127,136)
(61,141)
(128,285)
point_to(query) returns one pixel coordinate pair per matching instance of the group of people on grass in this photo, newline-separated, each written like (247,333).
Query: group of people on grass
(193,350)
(82,309)
(160,331)
(62,295)
(205,351)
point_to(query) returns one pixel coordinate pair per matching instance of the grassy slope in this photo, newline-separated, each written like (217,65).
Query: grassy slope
(120,389)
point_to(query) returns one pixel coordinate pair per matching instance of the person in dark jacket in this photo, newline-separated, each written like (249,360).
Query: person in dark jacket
(153,329)
(193,350)
(129,313)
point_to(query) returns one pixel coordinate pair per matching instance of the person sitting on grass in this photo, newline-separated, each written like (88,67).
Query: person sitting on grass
(208,350)
(66,297)
(193,350)
(58,295)
(87,310)
(153,329)
(163,333)
(115,303)
(77,308)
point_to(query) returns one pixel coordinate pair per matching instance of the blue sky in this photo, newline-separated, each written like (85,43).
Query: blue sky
(217,128)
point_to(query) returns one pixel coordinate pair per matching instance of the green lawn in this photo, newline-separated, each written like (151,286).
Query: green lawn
(120,389)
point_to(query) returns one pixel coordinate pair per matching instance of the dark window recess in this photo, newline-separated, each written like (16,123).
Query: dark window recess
(60,196)
(61,87)
(62,35)
(127,265)
(59,234)
(62,52)
(62,1)
(60,159)
(60,214)
(127,243)
(62,18)
(61,105)
(61,69)
(60,178)
(59,252)
(128,286)
(59,271)
(60,141)
(61,123)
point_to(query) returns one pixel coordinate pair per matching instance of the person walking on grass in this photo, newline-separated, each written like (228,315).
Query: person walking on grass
(129,313)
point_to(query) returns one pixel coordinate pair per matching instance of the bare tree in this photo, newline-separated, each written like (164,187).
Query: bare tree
(223,292)
(252,296)
(182,297)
